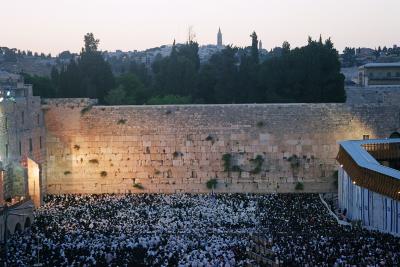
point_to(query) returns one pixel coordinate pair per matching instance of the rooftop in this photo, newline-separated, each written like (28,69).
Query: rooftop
(381,65)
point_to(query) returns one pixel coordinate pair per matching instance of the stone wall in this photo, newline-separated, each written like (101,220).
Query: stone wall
(22,133)
(103,149)
(377,94)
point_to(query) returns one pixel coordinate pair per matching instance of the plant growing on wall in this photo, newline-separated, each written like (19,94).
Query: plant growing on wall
(94,161)
(77,147)
(299,186)
(157,172)
(294,161)
(86,109)
(121,121)
(138,186)
(103,174)
(212,184)
(257,162)
(211,139)
(67,173)
(260,124)
(177,154)
(227,159)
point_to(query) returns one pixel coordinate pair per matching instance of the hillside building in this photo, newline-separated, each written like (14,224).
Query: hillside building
(379,74)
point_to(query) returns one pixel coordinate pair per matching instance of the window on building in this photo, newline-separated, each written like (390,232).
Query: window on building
(30,145)
(40,142)
(388,74)
(20,148)
(397,74)
(6,123)
(23,117)
(371,75)
(6,150)
(38,119)
(365,137)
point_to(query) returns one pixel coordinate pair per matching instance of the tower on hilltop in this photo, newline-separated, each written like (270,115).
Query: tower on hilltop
(219,37)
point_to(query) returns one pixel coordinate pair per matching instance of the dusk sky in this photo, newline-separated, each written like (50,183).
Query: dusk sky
(57,25)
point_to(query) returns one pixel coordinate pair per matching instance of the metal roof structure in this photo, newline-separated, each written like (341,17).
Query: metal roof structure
(359,158)
(365,159)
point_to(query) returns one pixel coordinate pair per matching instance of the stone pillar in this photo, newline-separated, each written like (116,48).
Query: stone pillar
(34,184)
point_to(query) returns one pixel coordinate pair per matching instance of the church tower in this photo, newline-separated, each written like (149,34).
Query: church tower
(219,38)
(260,45)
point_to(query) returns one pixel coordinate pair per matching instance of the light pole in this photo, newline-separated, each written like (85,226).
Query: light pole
(38,258)
(7,213)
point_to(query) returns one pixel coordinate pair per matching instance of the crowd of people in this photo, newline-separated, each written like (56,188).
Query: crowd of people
(304,233)
(194,230)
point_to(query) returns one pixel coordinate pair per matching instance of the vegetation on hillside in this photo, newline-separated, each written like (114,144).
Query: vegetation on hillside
(233,75)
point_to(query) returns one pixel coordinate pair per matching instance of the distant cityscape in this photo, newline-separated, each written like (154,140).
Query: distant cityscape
(14,60)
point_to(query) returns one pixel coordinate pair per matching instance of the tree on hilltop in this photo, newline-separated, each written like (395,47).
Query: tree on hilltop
(254,48)
(91,43)
(91,75)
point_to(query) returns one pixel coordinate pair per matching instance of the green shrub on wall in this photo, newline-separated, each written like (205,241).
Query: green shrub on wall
(86,110)
(257,162)
(260,124)
(138,186)
(294,161)
(177,154)
(210,139)
(227,158)
(212,184)
(121,121)
(299,186)
(94,161)
(103,174)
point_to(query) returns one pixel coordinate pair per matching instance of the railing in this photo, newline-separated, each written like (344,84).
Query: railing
(383,151)
(340,222)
